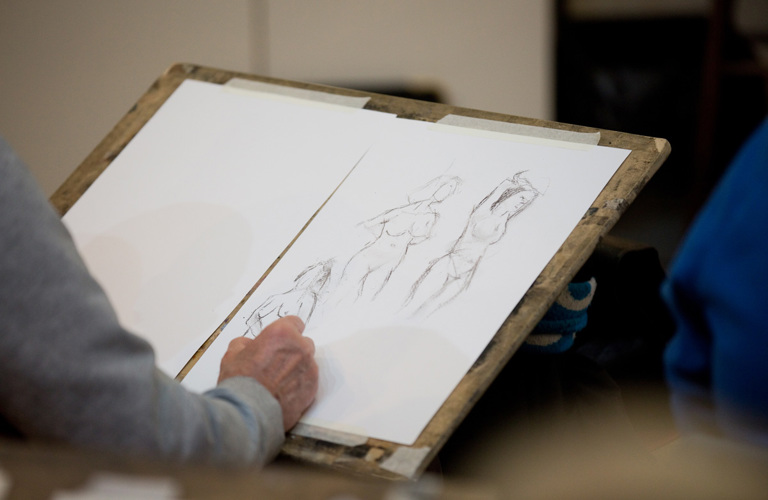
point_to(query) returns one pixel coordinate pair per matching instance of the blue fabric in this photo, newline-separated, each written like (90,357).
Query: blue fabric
(580,291)
(557,330)
(559,319)
(557,344)
(717,291)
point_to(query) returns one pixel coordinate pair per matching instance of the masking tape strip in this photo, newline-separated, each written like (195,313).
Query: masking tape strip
(306,94)
(331,436)
(523,133)
(405,461)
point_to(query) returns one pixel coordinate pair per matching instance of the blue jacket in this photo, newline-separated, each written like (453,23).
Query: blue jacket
(717,290)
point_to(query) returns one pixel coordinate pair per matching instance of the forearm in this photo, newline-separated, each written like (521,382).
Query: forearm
(71,373)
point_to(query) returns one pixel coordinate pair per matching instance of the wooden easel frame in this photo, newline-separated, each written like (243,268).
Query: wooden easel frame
(381,458)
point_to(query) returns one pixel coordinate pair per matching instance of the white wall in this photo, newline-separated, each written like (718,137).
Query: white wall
(494,55)
(71,69)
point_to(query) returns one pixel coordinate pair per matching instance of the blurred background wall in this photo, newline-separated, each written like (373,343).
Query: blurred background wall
(691,71)
(70,70)
(685,70)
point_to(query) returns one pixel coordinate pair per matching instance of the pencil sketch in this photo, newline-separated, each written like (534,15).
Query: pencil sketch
(449,275)
(394,232)
(301,300)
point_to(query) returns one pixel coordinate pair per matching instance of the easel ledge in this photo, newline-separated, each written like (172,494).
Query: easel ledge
(381,458)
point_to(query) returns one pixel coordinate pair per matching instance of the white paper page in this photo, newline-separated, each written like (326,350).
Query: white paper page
(414,264)
(205,197)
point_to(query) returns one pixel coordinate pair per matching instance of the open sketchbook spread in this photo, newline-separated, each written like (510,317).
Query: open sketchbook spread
(427,238)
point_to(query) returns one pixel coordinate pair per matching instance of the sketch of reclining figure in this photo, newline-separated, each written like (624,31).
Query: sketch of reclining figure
(449,275)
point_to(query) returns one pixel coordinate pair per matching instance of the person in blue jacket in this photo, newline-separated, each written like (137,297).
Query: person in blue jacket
(717,291)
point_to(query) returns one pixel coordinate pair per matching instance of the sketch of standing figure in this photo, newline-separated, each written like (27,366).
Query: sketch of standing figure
(449,275)
(301,300)
(394,232)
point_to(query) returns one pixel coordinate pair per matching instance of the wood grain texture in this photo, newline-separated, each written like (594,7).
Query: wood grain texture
(375,457)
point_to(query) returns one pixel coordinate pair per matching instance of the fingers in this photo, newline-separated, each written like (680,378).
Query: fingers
(286,324)
(290,325)
(282,360)
(237,345)
(311,343)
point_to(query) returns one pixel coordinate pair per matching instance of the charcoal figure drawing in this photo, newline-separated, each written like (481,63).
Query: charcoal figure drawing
(394,232)
(309,287)
(448,275)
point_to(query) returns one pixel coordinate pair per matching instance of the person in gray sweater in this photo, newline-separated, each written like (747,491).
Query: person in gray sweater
(69,373)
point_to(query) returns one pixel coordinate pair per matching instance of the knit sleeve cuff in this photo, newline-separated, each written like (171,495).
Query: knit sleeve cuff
(262,413)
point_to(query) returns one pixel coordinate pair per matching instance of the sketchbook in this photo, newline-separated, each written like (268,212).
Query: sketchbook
(406,243)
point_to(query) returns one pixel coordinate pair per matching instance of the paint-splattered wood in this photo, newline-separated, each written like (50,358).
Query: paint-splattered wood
(373,457)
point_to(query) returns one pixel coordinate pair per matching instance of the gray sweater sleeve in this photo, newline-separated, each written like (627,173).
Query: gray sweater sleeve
(70,373)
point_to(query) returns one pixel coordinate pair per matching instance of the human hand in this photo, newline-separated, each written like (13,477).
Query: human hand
(282,360)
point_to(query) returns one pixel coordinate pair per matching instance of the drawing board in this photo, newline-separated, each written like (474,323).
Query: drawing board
(414,263)
(428,191)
